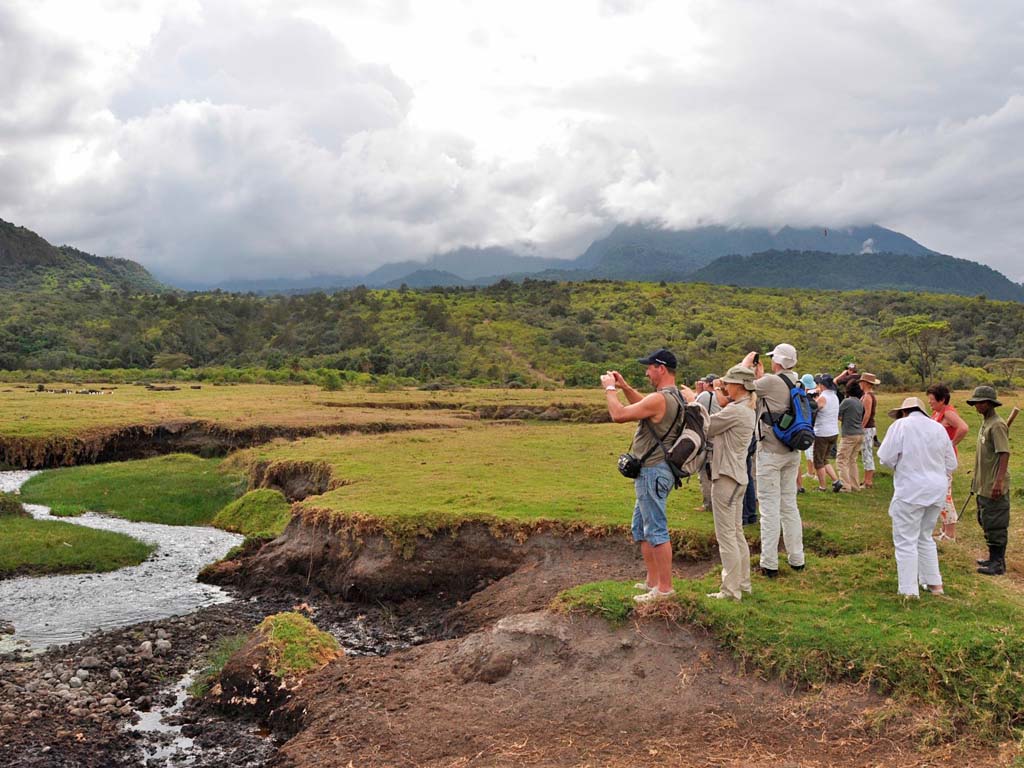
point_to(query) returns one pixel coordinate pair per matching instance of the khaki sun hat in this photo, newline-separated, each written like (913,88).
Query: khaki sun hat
(910,404)
(870,378)
(740,375)
(982,394)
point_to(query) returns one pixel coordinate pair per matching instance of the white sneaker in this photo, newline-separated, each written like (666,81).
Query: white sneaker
(721,596)
(644,586)
(653,596)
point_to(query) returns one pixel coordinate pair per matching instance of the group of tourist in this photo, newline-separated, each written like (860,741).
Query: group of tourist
(749,460)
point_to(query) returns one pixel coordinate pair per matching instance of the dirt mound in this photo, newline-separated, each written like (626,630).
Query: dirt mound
(550,690)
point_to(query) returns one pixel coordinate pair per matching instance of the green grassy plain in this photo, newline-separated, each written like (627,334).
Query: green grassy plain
(37,547)
(839,619)
(25,413)
(174,490)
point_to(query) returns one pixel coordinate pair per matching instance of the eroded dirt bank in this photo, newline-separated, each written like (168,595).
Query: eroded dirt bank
(145,441)
(356,558)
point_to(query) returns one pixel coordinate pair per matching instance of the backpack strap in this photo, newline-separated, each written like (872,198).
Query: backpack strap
(766,417)
(660,441)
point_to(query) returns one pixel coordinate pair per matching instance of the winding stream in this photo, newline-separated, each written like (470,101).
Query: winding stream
(54,610)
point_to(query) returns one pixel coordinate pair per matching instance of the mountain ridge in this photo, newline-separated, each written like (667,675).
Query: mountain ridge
(30,263)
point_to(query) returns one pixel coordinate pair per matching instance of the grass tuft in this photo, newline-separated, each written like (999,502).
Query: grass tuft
(295,645)
(263,513)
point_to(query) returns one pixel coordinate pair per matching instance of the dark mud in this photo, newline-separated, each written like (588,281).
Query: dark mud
(97,702)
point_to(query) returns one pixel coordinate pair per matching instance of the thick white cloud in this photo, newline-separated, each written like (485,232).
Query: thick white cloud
(212,140)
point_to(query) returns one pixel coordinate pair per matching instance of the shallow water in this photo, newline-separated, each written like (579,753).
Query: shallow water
(54,610)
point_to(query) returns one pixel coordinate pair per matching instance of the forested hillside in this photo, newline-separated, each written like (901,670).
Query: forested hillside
(535,332)
(830,271)
(29,263)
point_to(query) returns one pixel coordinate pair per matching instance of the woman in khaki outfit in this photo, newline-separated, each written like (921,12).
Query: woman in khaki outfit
(731,429)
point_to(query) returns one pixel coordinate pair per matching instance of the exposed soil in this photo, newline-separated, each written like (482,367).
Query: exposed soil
(72,705)
(545,690)
(355,558)
(497,681)
(145,441)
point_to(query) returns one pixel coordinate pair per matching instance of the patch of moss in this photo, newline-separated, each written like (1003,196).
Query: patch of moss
(263,513)
(294,644)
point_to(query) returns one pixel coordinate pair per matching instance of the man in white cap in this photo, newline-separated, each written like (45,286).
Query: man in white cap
(777,464)
(921,456)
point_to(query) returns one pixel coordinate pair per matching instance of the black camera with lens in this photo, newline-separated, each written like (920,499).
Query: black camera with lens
(629,466)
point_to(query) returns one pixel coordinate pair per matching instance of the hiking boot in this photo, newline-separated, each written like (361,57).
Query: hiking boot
(801,489)
(837,486)
(770,573)
(994,568)
(984,563)
(796,567)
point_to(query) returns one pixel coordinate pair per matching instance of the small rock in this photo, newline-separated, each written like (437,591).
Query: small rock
(83,675)
(90,662)
(120,650)
(161,634)
(115,675)
(74,682)
(163,645)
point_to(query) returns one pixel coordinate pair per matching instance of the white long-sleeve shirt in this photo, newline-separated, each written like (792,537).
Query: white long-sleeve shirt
(922,458)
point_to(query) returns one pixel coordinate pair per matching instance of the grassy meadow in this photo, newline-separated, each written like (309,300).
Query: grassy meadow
(35,547)
(173,490)
(26,413)
(839,619)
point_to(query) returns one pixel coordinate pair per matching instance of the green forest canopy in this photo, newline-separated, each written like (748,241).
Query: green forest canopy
(533,332)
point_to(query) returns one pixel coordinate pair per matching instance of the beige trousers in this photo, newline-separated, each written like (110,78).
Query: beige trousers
(727,498)
(846,461)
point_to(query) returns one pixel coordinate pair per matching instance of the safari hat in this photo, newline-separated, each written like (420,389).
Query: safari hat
(910,404)
(784,355)
(738,374)
(808,381)
(982,394)
(870,378)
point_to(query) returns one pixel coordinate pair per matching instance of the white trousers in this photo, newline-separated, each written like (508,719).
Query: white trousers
(776,499)
(917,558)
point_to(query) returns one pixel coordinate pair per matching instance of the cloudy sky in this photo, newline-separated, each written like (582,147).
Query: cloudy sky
(218,139)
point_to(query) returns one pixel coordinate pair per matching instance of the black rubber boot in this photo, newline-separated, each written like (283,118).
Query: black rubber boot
(987,561)
(997,565)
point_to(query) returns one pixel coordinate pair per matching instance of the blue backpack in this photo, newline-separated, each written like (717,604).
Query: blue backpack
(794,428)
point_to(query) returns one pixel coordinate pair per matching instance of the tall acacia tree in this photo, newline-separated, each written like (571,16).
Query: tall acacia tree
(918,337)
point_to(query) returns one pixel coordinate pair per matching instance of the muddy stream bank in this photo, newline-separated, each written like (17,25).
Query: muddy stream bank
(97,671)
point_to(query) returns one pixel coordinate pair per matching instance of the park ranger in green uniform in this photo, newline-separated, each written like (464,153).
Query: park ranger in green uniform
(991,479)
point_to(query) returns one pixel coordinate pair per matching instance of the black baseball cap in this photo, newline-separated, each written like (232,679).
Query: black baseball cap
(660,357)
